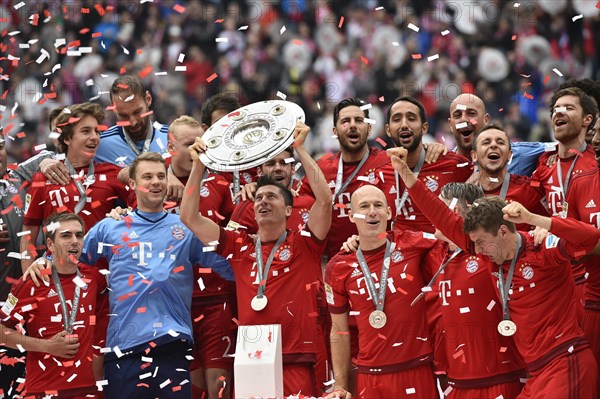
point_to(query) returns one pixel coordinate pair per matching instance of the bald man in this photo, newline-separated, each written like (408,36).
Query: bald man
(468,116)
(395,354)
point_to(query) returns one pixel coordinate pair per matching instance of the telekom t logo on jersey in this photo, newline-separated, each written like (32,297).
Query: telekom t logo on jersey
(144,250)
(57,196)
(445,288)
(555,198)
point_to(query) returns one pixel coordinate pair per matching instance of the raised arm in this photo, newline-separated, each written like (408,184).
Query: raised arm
(581,238)
(446,221)
(204,228)
(319,219)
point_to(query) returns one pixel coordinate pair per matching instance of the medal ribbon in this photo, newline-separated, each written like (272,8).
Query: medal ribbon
(263,273)
(565,186)
(68,320)
(504,286)
(339,186)
(377,297)
(504,188)
(134,147)
(90,175)
(400,201)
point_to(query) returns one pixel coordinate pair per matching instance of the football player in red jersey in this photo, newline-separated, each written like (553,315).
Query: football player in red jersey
(377,283)
(289,275)
(573,112)
(584,204)
(406,125)
(94,188)
(60,354)
(538,293)
(492,152)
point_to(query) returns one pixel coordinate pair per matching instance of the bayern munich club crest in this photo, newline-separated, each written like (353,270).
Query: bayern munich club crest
(397,256)
(285,254)
(177,232)
(472,265)
(204,191)
(371,177)
(432,183)
(526,271)
(304,214)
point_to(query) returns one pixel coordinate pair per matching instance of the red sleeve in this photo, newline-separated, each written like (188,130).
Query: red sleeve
(34,208)
(579,238)
(335,285)
(243,214)
(227,207)
(20,301)
(448,222)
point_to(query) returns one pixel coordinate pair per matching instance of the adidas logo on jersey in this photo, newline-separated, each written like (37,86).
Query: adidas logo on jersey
(393,190)
(550,180)
(52,293)
(356,272)
(590,204)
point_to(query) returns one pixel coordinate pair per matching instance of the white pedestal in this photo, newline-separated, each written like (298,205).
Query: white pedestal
(258,366)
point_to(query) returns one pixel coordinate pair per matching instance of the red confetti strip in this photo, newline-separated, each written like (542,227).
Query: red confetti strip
(340,205)
(100,9)
(528,96)
(129,294)
(145,72)
(514,37)
(204,270)
(179,269)
(341,22)
(211,77)
(179,8)
(382,336)
(365,60)
(130,280)
(197,319)
(96,34)
(546,79)
(178,388)
(141,309)
(417,56)
(381,141)
(145,114)
(298,42)
(219,21)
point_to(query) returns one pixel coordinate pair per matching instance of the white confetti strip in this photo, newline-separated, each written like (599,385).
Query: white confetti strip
(445,32)
(576,17)
(366,106)
(413,27)
(165,383)
(281,95)
(556,71)
(71,378)
(560,109)
(370,121)
(244,27)
(516,5)
(282,30)
(222,40)
(180,68)
(379,8)
(410,391)
(19,5)
(433,57)
(145,375)
(461,125)
(461,107)
(465,310)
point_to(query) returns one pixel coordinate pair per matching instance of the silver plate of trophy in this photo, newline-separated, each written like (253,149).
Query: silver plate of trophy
(251,135)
